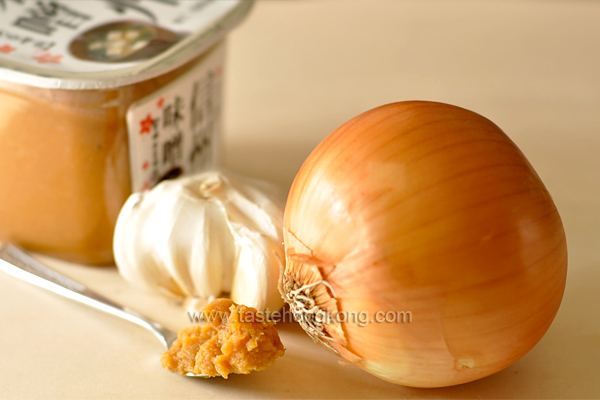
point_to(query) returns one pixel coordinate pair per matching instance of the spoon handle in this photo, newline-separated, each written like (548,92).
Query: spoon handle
(19,264)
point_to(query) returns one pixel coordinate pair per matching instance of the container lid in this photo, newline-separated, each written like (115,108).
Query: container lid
(101,44)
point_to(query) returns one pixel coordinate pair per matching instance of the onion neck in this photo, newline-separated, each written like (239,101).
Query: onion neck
(311,298)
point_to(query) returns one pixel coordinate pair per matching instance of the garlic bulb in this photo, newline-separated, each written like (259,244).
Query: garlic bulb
(203,235)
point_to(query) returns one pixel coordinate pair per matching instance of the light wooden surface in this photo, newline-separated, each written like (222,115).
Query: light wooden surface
(297,70)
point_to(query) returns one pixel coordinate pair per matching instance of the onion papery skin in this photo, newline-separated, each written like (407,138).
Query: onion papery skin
(428,208)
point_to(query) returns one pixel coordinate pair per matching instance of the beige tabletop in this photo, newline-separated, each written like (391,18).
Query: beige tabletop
(298,69)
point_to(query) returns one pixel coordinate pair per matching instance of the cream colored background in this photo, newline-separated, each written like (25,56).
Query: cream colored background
(297,70)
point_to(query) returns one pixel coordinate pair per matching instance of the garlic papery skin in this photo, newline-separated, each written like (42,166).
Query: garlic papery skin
(202,236)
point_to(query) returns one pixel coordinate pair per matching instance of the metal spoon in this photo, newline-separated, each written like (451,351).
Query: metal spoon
(17,263)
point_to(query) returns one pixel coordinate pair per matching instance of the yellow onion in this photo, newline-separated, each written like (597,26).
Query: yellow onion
(428,209)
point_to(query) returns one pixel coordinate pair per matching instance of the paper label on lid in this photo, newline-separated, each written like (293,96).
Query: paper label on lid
(99,35)
(174,131)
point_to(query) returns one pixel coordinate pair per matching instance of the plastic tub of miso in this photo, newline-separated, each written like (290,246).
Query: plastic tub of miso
(98,100)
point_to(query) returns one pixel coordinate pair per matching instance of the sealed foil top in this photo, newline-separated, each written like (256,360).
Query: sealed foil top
(100,44)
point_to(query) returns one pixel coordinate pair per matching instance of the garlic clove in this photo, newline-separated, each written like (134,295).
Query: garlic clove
(153,275)
(169,245)
(251,277)
(212,254)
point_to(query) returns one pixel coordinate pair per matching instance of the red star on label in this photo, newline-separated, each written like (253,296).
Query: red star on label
(48,58)
(161,102)
(146,185)
(145,165)
(7,48)
(146,124)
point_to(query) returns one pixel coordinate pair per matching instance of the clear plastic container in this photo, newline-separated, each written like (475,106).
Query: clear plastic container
(70,155)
